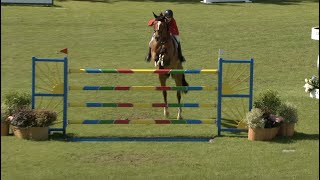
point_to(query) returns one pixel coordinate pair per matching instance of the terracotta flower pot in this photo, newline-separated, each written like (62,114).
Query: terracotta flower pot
(4,129)
(262,134)
(21,133)
(39,133)
(286,129)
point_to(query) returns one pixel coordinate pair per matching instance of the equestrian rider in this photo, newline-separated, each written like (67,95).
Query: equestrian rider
(173,29)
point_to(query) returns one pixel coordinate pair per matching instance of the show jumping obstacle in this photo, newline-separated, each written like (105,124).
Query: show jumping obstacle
(62,89)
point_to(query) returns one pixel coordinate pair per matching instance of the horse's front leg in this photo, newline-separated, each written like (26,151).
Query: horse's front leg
(163,78)
(178,80)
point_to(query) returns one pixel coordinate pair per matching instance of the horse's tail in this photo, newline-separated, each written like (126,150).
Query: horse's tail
(184,83)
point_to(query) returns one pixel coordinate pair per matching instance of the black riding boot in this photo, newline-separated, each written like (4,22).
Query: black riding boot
(148,57)
(182,59)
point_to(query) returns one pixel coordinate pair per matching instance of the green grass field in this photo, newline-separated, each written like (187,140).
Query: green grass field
(114,34)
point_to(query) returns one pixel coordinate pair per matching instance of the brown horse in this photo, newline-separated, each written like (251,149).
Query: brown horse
(165,55)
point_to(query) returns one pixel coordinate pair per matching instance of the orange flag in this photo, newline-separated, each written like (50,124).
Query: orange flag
(65,50)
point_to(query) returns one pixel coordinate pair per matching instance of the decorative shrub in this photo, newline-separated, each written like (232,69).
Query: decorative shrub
(4,113)
(254,118)
(23,117)
(17,100)
(268,101)
(44,118)
(289,112)
(26,117)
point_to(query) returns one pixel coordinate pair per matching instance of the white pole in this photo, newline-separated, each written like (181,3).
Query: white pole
(220,53)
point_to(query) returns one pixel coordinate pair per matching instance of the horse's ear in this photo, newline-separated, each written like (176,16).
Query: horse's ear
(155,16)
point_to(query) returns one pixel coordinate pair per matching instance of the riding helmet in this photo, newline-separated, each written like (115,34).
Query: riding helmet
(168,13)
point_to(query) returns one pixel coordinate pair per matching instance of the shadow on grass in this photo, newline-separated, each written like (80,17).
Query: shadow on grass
(74,138)
(59,137)
(296,137)
(234,134)
(278,139)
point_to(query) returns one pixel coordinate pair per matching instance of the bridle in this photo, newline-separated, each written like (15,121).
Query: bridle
(161,32)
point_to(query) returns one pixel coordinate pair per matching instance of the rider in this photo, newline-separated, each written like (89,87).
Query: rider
(173,29)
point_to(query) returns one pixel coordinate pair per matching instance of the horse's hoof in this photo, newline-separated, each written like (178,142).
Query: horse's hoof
(179,117)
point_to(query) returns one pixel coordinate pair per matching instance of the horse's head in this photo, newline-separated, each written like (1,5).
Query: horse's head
(161,17)
(160,27)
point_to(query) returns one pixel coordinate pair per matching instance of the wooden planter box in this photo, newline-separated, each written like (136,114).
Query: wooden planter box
(286,129)
(32,133)
(39,133)
(4,129)
(21,133)
(262,134)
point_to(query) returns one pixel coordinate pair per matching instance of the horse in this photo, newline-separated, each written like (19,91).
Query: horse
(165,56)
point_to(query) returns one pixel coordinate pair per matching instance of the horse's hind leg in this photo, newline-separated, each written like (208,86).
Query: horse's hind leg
(178,80)
(163,78)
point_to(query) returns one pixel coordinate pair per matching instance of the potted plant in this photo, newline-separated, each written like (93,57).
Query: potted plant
(290,115)
(16,102)
(312,86)
(262,121)
(32,123)
(268,101)
(4,121)
(261,125)
(39,129)
(21,120)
